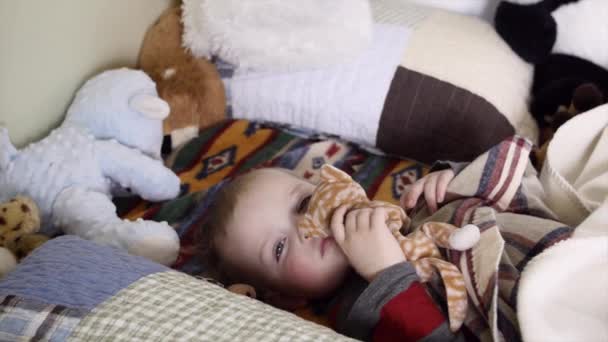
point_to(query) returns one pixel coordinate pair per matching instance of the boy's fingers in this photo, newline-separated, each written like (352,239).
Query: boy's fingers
(363,219)
(350,224)
(337,224)
(409,200)
(429,193)
(378,218)
(442,184)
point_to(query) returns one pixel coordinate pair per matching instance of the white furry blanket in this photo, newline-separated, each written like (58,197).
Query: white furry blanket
(277,34)
(563,293)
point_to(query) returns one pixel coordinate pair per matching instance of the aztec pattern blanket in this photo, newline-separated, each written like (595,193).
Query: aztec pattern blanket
(498,192)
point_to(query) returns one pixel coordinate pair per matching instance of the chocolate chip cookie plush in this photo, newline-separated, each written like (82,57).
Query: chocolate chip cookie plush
(19,223)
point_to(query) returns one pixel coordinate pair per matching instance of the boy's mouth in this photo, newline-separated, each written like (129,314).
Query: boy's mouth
(325,243)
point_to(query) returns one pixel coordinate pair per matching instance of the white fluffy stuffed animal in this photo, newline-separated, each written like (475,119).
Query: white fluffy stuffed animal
(109,142)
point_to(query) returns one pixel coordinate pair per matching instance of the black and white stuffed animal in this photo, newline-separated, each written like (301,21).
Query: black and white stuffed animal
(566,40)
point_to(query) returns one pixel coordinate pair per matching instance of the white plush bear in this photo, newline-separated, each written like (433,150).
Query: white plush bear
(110,141)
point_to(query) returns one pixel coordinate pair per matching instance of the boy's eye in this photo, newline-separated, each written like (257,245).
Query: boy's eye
(303,205)
(278,249)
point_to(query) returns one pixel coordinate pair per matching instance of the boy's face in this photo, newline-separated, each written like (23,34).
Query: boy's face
(263,242)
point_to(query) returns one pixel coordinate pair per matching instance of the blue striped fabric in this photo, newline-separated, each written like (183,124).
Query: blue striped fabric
(75,273)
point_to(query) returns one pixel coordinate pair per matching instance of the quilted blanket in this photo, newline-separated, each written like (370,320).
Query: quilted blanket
(75,290)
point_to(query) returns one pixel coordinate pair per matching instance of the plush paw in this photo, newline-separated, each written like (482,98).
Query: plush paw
(156,241)
(465,237)
(8,262)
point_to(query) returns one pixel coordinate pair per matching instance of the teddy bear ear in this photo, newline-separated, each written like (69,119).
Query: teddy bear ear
(150,106)
(332,174)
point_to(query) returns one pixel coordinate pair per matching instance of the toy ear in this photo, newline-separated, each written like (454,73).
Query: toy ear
(150,106)
(306,226)
(332,174)
(530,30)
(587,96)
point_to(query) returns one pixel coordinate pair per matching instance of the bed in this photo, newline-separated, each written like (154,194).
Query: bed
(72,289)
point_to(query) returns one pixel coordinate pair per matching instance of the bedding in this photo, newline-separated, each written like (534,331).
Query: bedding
(55,296)
(431,85)
(566,284)
(575,176)
(66,298)
(500,180)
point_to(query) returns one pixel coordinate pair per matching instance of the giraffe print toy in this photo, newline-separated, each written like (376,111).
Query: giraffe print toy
(420,247)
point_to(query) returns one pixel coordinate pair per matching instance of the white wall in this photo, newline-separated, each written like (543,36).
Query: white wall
(49,48)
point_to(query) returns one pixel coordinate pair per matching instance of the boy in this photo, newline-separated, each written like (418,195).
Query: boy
(251,236)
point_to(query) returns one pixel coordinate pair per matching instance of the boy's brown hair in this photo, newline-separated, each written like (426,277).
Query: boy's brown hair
(219,214)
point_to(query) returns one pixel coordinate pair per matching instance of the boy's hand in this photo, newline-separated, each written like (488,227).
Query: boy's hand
(434,185)
(366,241)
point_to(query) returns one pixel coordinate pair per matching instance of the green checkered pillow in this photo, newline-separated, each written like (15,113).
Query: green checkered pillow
(172,306)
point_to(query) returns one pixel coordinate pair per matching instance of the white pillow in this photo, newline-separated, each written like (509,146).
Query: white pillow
(277,34)
(431,85)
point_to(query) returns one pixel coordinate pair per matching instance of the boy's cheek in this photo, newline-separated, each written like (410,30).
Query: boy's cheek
(303,276)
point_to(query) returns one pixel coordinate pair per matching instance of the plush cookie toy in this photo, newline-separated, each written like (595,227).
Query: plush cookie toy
(109,143)
(420,247)
(565,40)
(19,223)
(191,85)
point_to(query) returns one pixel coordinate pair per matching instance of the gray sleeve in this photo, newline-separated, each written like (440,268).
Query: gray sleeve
(365,312)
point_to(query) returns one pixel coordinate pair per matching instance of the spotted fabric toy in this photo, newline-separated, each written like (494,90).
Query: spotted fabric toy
(420,247)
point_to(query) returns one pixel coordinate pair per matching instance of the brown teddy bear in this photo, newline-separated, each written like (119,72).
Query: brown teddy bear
(585,97)
(19,223)
(192,86)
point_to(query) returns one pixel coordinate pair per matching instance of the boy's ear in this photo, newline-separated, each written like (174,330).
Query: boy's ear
(285,302)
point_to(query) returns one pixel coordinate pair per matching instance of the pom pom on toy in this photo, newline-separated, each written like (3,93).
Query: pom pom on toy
(465,237)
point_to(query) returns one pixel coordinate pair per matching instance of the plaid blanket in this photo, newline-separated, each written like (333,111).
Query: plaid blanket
(72,289)
(498,191)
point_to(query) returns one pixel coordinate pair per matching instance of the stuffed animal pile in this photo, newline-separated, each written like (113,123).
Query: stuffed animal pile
(109,143)
(19,224)
(420,247)
(566,42)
